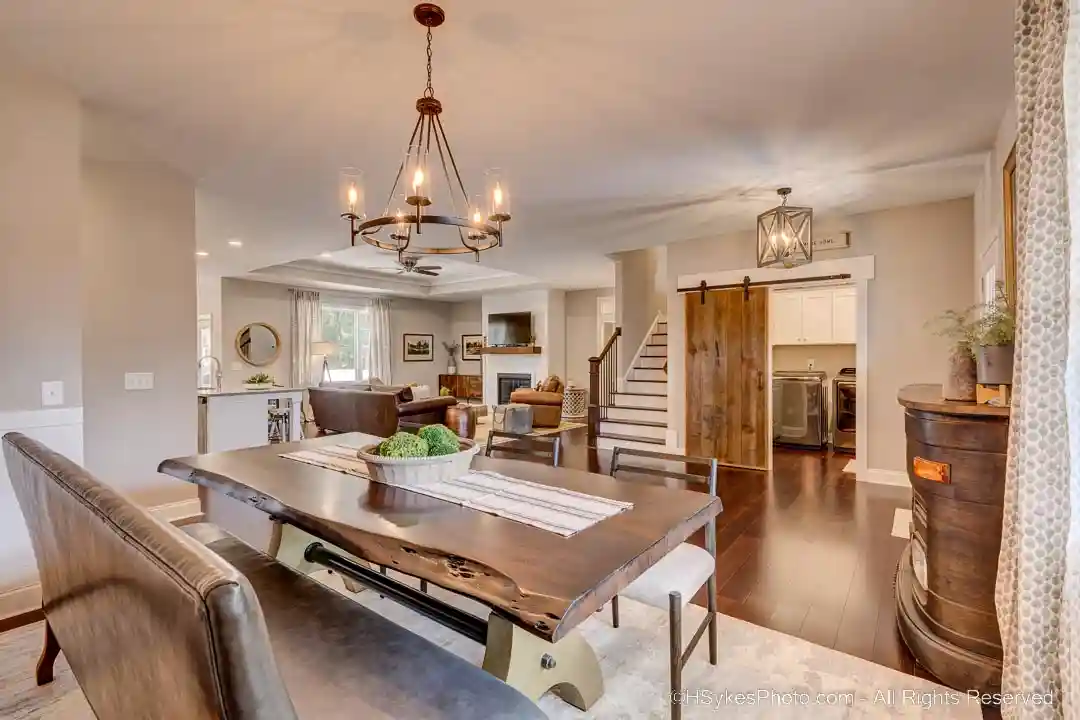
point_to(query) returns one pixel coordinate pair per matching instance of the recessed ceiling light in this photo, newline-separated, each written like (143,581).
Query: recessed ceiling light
(201,253)
(236,243)
(325,255)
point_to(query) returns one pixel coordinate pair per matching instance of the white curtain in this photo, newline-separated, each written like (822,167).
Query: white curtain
(1038,584)
(306,329)
(381,347)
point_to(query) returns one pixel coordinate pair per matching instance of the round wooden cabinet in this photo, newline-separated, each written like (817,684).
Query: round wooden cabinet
(945,580)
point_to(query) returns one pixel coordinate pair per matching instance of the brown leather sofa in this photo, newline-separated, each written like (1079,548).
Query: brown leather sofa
(156,623)
(546,401)
(372,409)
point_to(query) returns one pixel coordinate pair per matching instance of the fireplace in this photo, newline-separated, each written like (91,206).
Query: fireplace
(509,382)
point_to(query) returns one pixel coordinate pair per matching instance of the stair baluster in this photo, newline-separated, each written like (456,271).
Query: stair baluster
(603,382)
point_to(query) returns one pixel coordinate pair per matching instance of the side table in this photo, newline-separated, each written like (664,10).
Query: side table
(575,402)
(462,420)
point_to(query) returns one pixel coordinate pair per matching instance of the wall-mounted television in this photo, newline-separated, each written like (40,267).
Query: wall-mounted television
(509,329)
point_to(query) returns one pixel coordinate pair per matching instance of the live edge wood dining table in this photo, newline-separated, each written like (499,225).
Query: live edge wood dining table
(538,585)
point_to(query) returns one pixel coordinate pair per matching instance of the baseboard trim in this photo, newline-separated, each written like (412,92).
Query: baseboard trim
(22,605)
(878,476)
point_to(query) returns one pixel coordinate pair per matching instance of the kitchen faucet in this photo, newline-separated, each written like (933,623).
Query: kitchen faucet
(217,375)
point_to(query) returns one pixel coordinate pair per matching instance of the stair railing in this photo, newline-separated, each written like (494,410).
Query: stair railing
(603,383)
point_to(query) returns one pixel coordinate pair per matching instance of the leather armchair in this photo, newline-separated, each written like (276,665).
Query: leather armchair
(546,401)
(379,411)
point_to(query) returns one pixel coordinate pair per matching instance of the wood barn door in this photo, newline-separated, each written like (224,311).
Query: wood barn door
(726,366)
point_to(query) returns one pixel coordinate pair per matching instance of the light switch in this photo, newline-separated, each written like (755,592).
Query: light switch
(52,393)
(139,381)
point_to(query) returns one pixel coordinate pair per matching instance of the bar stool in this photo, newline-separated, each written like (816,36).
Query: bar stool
(278,425)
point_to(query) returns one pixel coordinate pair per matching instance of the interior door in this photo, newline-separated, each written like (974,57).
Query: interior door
(817,316)
(726,365)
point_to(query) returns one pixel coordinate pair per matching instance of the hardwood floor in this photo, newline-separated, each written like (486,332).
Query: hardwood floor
(805,550)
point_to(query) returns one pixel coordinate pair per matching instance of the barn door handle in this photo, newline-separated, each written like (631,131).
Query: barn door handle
(760,380)
(716,344)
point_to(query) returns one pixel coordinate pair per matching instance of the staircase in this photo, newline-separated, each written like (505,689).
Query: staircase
(633,413)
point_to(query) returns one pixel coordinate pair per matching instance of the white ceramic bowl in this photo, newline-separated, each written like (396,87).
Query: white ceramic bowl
(418,471)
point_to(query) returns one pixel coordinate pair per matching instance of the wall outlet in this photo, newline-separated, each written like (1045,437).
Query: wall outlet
(139,381)
(52,393)
(810,364)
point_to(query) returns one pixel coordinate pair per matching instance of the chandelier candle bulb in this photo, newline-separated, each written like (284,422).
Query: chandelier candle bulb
(498,194)
(352,193)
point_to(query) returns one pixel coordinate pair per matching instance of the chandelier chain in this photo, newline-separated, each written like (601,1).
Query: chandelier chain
(429,91)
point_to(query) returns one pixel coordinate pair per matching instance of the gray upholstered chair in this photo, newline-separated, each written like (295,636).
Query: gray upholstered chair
(671,583)
(156,622)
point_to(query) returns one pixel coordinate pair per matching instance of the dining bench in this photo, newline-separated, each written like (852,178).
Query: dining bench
(161,622)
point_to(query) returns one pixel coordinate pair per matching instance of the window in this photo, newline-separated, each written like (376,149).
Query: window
(350,331)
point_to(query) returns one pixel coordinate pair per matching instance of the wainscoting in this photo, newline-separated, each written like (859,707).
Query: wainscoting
(62,430)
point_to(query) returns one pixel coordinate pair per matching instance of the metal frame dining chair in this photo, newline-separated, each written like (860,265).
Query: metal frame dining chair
(541,446)
(673,581)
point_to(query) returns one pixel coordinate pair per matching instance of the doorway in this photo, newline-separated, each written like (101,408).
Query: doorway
(856,270)
(813,350)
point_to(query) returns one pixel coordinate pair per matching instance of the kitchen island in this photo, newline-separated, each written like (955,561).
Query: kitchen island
(236,419)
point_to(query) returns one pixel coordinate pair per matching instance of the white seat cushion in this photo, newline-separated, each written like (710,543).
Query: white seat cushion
(684,570)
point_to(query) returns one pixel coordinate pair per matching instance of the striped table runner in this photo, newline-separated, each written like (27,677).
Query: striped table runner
(563,512)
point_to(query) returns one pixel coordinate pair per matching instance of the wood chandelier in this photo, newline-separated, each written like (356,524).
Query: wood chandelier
(477,220)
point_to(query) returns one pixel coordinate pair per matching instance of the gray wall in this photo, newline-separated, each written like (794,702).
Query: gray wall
(922,264)
(640,294)
(582,338)
(426,318)
(247,301)
(139,307)
(40,280)
(244,302)
(466,318)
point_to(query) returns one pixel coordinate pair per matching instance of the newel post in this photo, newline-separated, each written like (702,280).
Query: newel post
(594,400)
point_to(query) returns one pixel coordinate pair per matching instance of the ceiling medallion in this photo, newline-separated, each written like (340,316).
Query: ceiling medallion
(784,234)
(478,220)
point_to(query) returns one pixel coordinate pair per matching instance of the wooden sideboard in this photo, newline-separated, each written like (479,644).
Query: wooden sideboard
(945,580)
(463,387)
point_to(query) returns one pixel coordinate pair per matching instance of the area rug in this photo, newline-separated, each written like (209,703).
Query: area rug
(784,675)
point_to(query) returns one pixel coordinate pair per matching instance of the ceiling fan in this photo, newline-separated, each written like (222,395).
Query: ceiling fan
(408,265)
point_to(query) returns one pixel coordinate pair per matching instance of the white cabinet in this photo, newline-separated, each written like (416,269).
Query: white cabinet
(785,313)
(812,316)
(817,317)
(843,313)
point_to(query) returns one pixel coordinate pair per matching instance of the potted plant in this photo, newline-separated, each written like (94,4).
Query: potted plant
(451,350)
(259,381)
(961,327)
(994,342)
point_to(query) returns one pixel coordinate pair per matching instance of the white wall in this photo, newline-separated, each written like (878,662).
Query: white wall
(989,248)
(921,253)
(138,223)
(582,336)
(244,302)
(548,308)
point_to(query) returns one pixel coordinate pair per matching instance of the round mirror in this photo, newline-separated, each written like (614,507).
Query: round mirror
(258,344)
